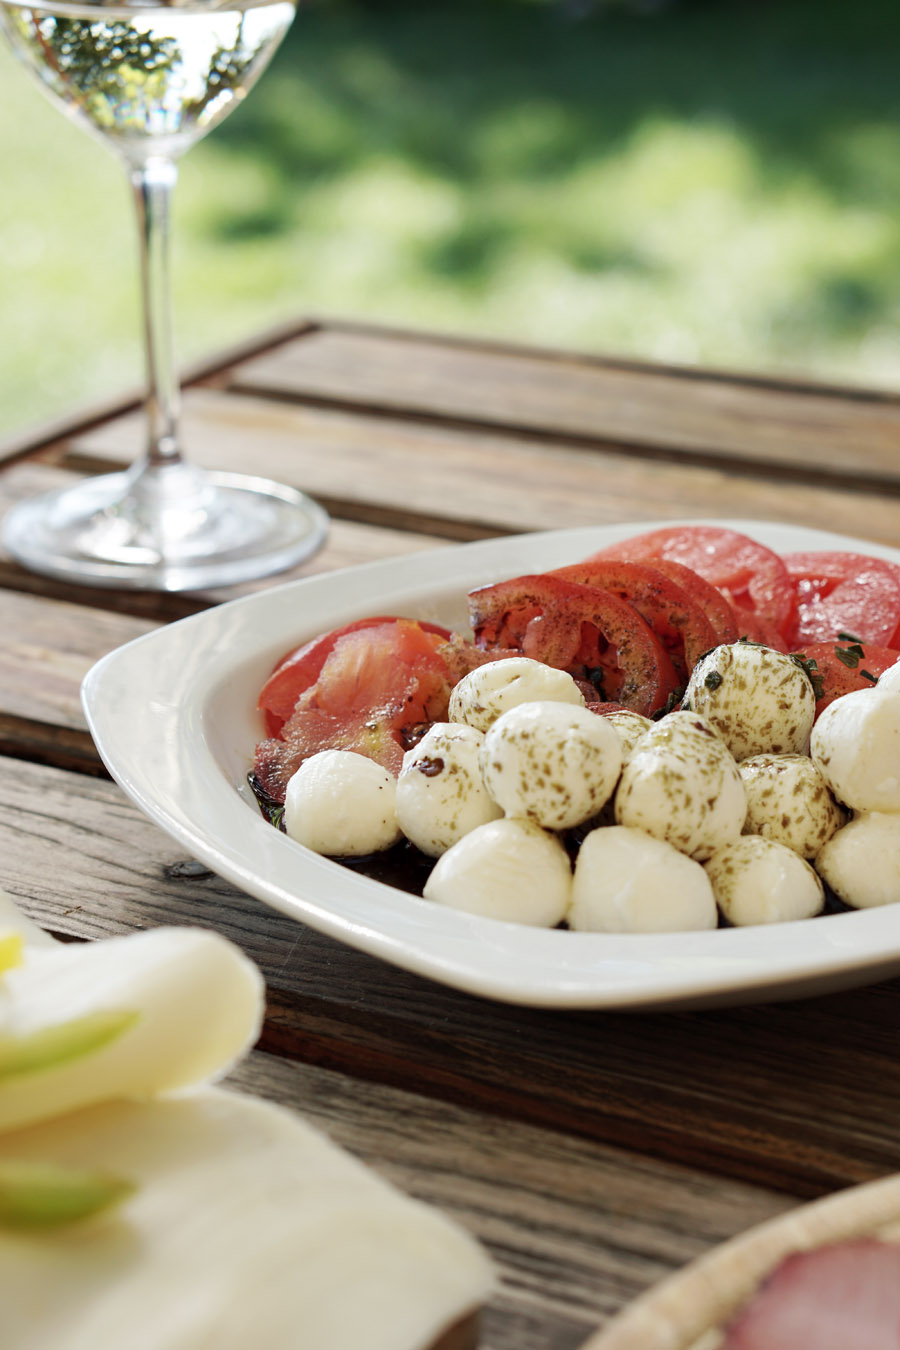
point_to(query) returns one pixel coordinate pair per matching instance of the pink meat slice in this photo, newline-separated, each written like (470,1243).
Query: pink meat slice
(841,1297)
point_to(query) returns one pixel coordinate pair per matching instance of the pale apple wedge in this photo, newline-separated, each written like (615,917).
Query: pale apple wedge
(41,1195)
(246,1228)
(12,920)
(34,1051)
(128,1017)
(12,948)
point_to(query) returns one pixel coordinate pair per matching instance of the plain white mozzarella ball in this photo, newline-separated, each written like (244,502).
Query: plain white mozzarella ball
(889,680)
(629,727)
(758,881)
(788,800)
(551,763)
(507,869)
(861,863)
(856,744)
(683,786)
(491,690)
(758,700)
(628,882)
(440,792)
(341,804)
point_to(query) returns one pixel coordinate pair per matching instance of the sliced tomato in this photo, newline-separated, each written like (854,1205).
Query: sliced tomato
(678,624)
(755,628)
(587,631)
(376,688)
(749,575)
(702,592)
(300,668)
(842,667)
(845,593)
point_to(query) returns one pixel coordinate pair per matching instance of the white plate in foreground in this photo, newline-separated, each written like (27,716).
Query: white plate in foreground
(174,717)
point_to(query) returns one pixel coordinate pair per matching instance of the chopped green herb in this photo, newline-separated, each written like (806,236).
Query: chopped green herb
(849,656)
(671,702)
(848,637)
(867,676)
(713,680)
(811,670)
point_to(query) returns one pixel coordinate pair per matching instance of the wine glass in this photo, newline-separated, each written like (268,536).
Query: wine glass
(151,79)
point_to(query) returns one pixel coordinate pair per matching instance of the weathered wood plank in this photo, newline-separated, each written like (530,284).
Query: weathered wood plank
(802,1097)
(576,1229)
(585,398)
(443,481)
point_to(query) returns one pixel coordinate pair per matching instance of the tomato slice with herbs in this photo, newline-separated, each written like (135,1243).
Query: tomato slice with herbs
(679,625)
(702,593)
(845,593)
(377,688)
(755,628)
(751,576)
(838,668)
(592,634)
(300,668)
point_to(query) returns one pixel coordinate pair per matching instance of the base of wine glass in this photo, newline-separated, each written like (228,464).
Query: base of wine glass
(165,528)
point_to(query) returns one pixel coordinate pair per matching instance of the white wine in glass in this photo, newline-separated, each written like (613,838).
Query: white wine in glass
(151,79)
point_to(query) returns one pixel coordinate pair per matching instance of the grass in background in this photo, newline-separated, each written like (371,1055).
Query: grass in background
(716,183)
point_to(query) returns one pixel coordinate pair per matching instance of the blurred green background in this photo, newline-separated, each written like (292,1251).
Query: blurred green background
(712,182)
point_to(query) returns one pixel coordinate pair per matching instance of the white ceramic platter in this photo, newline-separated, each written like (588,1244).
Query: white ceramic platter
(173,715)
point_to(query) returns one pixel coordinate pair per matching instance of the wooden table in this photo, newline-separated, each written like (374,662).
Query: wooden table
(592,1153)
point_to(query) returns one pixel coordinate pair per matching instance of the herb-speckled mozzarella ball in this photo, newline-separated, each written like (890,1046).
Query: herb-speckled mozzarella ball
(630,727)
(440,793)
(861,863)
(759,700)
(551,763)
(889,680)
(757,881)
(507,869)
(682,785)
(856,744)
(628,882)
(341,804)
(491,690)
(788,801)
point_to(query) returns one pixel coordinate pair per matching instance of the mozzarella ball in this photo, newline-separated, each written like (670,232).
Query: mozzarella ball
(628,882)
(861,863)
(341,804)
(440,793)
(491,690)
(889,680)
(788,801)
(856,744)
(630,727)
(758,700)
(683,786)
(757,881)
(551,763)
(507,869)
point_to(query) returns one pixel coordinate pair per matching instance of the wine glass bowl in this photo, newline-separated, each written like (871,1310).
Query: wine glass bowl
(150,79)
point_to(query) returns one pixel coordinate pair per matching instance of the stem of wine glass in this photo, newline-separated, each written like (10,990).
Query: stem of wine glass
(153,182)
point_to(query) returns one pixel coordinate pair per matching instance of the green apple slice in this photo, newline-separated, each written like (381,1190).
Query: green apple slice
(128,1017)
(36,1195)
(49,1046)
(246,1228)
(12,949)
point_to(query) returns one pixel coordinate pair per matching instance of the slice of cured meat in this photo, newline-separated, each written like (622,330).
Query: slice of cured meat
(841,1297)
